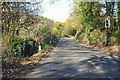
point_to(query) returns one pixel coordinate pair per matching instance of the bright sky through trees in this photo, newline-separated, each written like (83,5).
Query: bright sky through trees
(57,11)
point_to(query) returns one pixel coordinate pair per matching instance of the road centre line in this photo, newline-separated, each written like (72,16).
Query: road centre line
(110,78)
(94,64)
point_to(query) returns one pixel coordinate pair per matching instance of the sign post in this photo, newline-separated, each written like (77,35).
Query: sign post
(107,22)
(39,48)
(107,25)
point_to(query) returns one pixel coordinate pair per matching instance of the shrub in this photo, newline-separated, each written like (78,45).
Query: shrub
(21,47)
(47,47)
(17,45)
(6,46)
(29,41)
(54,39)
(30,46)
(66,35)
(118,36)
(80,37)
(46,37)
(113,40)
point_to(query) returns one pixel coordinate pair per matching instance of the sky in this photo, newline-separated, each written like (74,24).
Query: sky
(58,11)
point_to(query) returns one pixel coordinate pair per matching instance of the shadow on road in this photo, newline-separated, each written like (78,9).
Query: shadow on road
(71,60)
(109,68)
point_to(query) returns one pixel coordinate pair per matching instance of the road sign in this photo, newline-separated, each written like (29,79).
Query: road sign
(39,48)
(107,22)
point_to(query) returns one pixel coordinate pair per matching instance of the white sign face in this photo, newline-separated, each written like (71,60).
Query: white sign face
(39,48)
(107,22)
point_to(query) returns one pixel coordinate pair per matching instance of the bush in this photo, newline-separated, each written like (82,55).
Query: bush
(18,45)
(115,39)
(30,46)
(66,35)
(72,32)
(46,37)
(21,47)
(6,46)
(47,47)
(80,37)
(54,39)
(117,35)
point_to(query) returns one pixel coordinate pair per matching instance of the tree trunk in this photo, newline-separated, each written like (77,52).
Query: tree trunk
(119,15)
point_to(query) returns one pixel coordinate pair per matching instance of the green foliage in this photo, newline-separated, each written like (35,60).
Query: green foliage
(29,41)
(45,36)
(6,44)
(58,28)
(54,39)
(52,42)
(95,37)
(21,47)
(117,34)
(87,16)
(27,47)
(80,37)
(20,30)
(66,35)
(47,47)
(17,45)
(66,29)
(30,46)
(115,39)
(90,15)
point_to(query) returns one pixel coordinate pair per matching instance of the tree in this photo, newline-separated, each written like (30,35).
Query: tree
(119,15)
(58,27)
(87,15)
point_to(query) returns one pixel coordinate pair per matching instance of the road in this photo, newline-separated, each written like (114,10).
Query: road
(0,56)
(73,60)
(0,61)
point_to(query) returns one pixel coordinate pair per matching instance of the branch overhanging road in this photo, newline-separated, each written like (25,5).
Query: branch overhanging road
(73,60)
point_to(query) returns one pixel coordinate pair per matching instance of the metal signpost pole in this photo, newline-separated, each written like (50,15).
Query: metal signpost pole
(107,38)
(107,25)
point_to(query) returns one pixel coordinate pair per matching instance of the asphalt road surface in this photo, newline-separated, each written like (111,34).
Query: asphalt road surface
(73,60)
(0,62)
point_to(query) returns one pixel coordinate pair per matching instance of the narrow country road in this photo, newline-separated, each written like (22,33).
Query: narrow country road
(73,60)
(0,62)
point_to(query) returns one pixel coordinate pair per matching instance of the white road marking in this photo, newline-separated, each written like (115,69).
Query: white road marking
(94,64)
(110,78)
(48,70)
